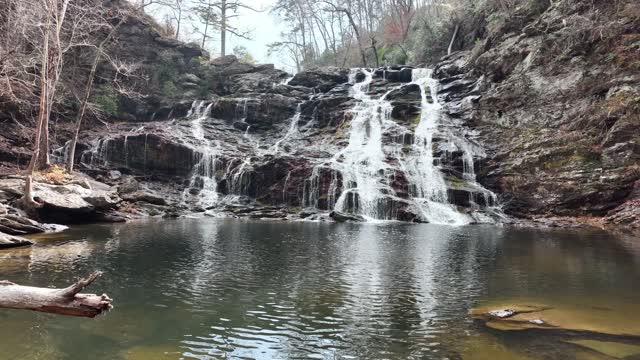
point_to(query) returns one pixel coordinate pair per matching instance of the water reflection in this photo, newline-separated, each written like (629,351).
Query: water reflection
(214,288)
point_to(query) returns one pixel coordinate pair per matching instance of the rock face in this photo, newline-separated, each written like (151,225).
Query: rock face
(531,119)
(558,119)
(295,144)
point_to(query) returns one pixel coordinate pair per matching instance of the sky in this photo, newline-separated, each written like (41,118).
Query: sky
(265,28)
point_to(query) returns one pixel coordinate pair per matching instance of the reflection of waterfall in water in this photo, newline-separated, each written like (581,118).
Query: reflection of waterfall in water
(203,178)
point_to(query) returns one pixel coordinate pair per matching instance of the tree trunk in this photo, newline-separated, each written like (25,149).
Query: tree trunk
(363,55)
(375,51)
(453,39)
(223,28)
(35,164)
(178,22)
(87,95)
(67,301)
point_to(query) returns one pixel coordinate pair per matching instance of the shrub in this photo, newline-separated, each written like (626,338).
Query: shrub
(107,100)
(169,89)
(56,175)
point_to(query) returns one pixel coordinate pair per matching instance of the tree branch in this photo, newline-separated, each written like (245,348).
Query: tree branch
(67,301)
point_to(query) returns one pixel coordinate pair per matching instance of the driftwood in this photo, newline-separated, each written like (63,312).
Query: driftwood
(67,301)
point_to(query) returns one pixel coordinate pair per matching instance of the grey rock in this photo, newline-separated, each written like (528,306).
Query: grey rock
(9,241)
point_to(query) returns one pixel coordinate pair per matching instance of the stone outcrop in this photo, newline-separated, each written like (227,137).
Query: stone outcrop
(8,241)
(557,117)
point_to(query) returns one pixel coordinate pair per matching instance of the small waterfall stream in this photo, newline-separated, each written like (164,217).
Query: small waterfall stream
(204,171)
(362,163)
(428,188)
(292,130)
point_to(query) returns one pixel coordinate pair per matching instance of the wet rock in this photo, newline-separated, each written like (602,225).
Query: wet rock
(407,103)
(111,217)
(344,217)
(147,153)
(558,318)
(394,74)
(114,175)
(8,241)
(323,79)
(328,111)
(128,185)
(145,196)
(260,112)
(18,225)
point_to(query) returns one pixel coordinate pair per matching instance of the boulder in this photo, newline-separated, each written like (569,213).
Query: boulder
(146,196)
(18,225)
(128,185)
(8,241)
(338,216)
(323,79)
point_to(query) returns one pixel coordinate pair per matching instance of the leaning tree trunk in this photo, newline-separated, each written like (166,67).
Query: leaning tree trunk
(453,39)
(68,301)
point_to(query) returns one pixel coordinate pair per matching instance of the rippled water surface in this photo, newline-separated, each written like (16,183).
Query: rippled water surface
(213,288)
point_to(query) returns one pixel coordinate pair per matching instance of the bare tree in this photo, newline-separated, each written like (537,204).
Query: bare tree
(219,14)
(178,9)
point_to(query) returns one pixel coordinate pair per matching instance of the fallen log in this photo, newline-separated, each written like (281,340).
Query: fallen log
(68,301)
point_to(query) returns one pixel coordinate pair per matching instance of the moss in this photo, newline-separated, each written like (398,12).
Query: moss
(165,71)
(169,89)
(456,183)
(107,100)
(580,159)
(414,121)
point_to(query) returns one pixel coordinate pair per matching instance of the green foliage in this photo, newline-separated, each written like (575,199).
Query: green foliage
(392,55)
(107,100)
(164,72)
(243,55)
(169,89)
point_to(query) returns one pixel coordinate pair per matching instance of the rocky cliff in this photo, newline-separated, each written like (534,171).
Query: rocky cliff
(554,93)
(539,119)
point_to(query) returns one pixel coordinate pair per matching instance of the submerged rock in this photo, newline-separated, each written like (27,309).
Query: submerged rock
(560,318)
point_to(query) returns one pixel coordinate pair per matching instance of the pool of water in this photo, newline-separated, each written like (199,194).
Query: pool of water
(219,288)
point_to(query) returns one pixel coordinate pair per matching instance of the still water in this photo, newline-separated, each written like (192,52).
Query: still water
(217,288)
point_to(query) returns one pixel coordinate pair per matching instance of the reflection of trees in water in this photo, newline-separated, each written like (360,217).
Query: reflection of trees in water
(279,290)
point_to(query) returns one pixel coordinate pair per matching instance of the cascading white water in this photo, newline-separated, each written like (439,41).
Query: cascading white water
(362,163)
(204,171)
(292,131)
(428,187)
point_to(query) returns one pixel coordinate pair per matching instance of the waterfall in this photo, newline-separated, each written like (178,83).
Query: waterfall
(368,168)
(362,163)
(293,129)
(204,171)
(428,187)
